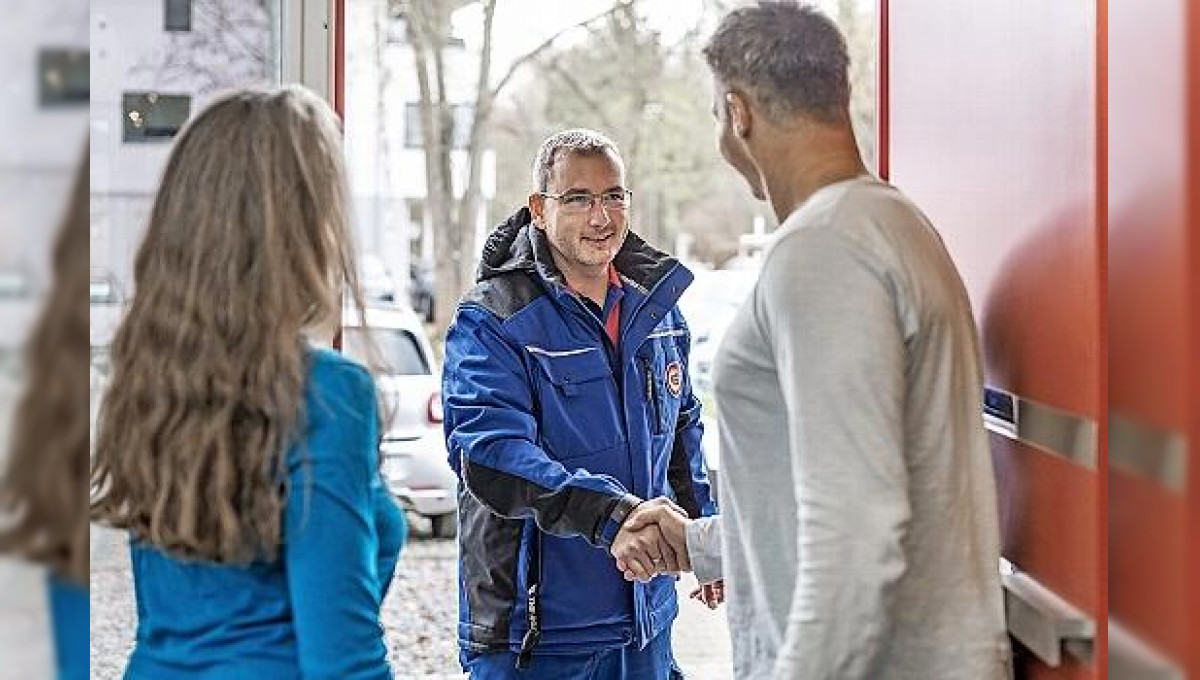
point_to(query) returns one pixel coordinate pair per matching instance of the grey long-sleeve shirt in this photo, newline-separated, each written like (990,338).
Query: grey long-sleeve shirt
(858,522)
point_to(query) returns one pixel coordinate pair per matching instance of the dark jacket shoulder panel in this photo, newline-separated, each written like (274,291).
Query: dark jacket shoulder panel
(505,294)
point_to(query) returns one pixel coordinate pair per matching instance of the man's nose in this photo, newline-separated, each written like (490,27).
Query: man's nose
(597,213)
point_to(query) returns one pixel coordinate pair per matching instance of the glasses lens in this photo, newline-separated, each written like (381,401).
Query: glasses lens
(577,202)
(616,200)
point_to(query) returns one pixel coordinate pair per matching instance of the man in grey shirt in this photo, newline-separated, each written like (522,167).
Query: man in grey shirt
(858,535)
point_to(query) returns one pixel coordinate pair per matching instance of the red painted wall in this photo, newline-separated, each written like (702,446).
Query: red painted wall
(1149,274)
(995,127)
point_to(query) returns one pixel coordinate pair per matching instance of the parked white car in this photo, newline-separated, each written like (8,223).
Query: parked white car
(419,476)
(415,465)
(708,305)
(406,371)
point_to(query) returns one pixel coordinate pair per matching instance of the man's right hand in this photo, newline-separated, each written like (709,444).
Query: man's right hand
(652,541)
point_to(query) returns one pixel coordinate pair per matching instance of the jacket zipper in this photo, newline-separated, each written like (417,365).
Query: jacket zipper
(651,395)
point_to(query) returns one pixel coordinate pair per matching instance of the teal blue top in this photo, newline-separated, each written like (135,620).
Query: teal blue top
(69,613)
(313,613)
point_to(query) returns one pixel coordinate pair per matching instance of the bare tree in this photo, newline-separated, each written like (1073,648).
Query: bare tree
(428,25)
(454,217)
(652,94)
(859,23)
(229,46)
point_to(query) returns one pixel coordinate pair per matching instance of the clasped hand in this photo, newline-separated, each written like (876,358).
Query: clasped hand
(653,541)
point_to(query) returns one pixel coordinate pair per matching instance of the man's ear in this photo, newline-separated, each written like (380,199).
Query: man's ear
(740,117)
(537,208)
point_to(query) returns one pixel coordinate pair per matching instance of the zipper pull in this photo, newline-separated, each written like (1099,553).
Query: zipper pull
(649,380)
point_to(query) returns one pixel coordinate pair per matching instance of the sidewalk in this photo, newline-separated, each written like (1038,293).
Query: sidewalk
(701,637)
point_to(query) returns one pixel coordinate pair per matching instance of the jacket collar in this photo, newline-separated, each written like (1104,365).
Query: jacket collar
(516,245)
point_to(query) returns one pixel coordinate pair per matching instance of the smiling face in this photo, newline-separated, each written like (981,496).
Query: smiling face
(583,242)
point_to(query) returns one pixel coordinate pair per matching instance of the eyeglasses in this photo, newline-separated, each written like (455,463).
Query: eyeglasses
(581,202)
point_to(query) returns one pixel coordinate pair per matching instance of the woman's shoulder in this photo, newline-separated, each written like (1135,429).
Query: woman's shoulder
(341,411)
(330,369)
(338,385)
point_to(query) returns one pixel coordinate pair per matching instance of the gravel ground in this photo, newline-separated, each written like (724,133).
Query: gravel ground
(419,615)
(26,650)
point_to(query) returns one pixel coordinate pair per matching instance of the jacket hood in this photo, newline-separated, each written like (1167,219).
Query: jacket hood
(516,245)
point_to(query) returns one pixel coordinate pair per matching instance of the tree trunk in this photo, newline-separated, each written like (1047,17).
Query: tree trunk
(426,35)
(472,199)
(448,236)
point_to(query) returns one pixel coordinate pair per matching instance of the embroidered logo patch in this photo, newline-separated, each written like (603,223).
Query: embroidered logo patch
(674,378)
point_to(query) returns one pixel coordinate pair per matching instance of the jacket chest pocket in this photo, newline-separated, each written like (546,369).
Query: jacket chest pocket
(579,410)
(663,382)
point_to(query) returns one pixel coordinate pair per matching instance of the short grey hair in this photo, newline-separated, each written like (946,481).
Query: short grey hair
(789,56)
(575,141)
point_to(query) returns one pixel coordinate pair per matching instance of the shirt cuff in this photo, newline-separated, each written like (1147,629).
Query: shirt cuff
(704,548)
(616,517)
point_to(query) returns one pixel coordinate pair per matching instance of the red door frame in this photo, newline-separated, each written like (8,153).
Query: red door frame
(883,106)
(1192,85)
(337,20)
(1101,180)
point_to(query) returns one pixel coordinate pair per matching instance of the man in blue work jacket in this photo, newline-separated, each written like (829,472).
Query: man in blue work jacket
(568,403)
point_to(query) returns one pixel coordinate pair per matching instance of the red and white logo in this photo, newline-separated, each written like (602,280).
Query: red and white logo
(674,378)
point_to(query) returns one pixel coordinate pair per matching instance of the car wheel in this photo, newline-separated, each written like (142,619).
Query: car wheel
(444,526)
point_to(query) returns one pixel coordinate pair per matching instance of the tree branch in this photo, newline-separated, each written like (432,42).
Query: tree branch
(546,44)
(573,83)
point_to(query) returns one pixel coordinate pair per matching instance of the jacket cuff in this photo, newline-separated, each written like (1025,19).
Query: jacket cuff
(611,525)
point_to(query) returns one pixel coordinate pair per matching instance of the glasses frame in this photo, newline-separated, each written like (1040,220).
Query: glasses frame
(593,199)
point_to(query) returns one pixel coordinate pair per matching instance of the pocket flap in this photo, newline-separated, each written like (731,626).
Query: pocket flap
(565,368)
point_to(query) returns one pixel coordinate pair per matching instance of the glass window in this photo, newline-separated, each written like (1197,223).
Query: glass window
(412,126)
(398,349)
(416,211)
(461,134)
(177,15)
(150,116)
(63,78)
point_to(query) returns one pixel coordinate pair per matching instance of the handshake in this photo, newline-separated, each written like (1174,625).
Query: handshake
(653,541)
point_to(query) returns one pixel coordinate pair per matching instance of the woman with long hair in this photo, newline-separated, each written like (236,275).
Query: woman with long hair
(242,459)
(43,491)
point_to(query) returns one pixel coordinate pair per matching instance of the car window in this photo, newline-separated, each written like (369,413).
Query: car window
(398,349)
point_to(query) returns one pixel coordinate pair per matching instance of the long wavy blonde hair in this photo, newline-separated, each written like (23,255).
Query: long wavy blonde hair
(248,248)
(44,487)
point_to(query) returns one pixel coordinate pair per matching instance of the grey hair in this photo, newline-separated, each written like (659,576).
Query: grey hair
(575,141)
(790,56)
